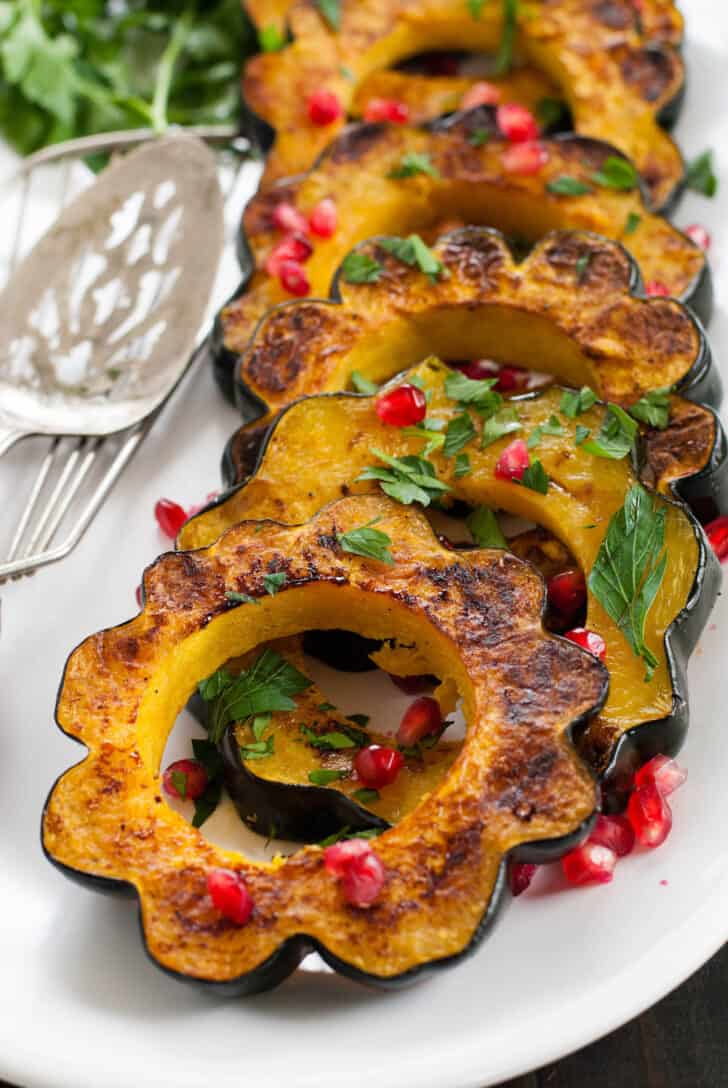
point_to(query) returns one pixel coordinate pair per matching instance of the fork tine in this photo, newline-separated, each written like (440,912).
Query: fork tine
(67,499)
(33,498)
(55,496)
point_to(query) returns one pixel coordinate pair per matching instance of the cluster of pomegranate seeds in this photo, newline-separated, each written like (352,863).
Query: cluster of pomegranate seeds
(516,123)
(524,159)
(509,379)
(520,875)
(422,719)
(588,640)
(387,109)
(170,517)
(287,218)
(717,534)
(186,779)
(648,821)
(229,895)
(377,766)
(413,685)
(480,94)
(294,248)
(324,219)
(567,593)
(657,289)
(698,234)
(359,870)
(513,461)
(403,406)
(590,863)
(324,107)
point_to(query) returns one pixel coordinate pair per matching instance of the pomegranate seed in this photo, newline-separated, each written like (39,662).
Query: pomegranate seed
(516,123)
(508,378)
(513,462)
(358,868)
(377,766)
(698,234)
(404,406)
(229,895)
(170,517)
(717,533)
(288,219)
(421,719)
(387,109)
(324,107)
(657,289)
(663,772)
(195,779)
(567,593)
(588,640)
(294,279)
(324,219)
(590,863)
(480,94)
(138,593)
(413,685)
(524,159)
(296,247)
(614,832)
(650,815)
(520,876)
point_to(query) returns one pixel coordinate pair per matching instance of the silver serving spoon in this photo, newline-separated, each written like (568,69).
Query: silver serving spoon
(99,321)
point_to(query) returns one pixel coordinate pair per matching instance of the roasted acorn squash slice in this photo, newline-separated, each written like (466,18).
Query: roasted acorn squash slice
(614,79)
(569,309)
(465,181)
(319,447)
(517,785)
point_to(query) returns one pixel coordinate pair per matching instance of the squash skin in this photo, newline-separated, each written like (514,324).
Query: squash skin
(578,45)
(103,822)
(346,424)
(594,330)
(473,186)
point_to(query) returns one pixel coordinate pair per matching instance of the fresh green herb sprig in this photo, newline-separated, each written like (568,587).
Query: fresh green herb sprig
(268,685)
(484,528)
(413,163)
(653,409)
(415,253)
(700,175)
(406,479)
(616,435)
(368,542)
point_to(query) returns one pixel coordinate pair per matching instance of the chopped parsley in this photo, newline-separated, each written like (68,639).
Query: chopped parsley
(479,137)
(271,39)
(581,434)
(413,163)
(360,268)
(240,598)
(700,175)
(633,221)
(576,401)
(553,425)
(653,409)
(413,252)
(334,740)
(568,186)
(617,173)
(630,566)
(479,393)
(582,266)
(504,422)
(462,466)
(179,781)
(406,479)
(535,478)
(475,7)
(616,435)
(368,542)
(362,384)
(484,528)
(331,12)
(460,431)
(365,796)
(504,57)
(320,777)
(430,431)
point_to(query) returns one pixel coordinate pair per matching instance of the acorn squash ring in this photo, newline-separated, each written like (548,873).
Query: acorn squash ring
(517,788)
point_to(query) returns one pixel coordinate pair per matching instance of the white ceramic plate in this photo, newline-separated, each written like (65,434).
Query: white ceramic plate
(80,1005)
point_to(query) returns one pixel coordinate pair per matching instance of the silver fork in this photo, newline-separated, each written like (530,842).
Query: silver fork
(132,258)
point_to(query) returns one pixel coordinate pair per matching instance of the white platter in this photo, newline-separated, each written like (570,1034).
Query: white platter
(81,1006)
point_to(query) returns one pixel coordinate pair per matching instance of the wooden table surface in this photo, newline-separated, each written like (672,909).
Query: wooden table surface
(680,1043)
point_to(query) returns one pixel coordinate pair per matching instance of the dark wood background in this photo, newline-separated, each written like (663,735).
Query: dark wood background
(680,1043)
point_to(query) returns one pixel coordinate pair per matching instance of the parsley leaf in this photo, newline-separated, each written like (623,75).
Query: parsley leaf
(553,425)
(653,409)
(617,173)
(700,175)
(478,137)
(240,598)
(331,12)
(462,466)
(484,529)
(406,479)
(535,478)
(365,796)
(478,392)
(581,434)
(179,781)
(368,542)
(616,435)
(360,268)
(273,582)
(475,7)
(582,266)
(320,777)
(567,186)
(413,163)
(346,833)
(630,566)
(504,58)
(271,39)
(258,749)
(413,252)
(362,384)
(266,686)
(429,430)
(576,401)
(460,431)
(335,740)
(502,423)
(633,221)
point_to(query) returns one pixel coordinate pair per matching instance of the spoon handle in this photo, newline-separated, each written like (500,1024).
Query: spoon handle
(9,436)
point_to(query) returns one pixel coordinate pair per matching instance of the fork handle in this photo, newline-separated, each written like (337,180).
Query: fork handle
(8,437)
